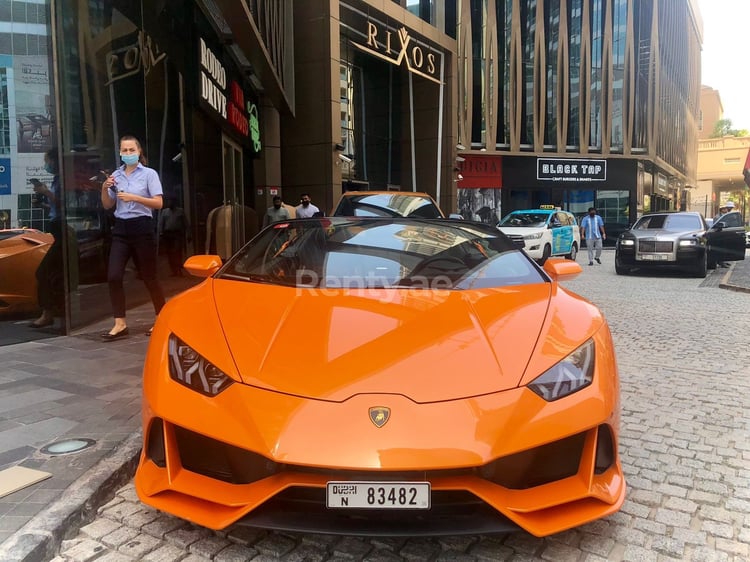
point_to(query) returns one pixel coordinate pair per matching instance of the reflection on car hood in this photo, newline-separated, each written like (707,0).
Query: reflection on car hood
(661,234)
(426,345)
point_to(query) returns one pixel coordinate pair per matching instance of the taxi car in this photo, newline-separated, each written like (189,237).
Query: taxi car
(408,377)
(680,240)
(545,231)
(21,252)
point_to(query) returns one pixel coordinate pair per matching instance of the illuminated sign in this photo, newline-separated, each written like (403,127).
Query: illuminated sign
(418,57)
(5,187)
(226,98)
(571,169)
(213,81)
(252,111)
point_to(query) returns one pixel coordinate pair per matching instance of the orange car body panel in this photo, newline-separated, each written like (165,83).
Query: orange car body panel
(20,256)
(450,365)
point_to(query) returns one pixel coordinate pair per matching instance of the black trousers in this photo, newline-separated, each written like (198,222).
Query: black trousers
(133,238)
(49,275)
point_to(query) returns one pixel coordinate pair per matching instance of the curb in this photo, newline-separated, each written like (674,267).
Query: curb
(40,539)
(725,282)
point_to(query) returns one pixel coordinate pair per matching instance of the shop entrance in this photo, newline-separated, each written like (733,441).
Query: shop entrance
(234,194)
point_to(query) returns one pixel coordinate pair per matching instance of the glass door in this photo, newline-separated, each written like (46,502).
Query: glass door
(233,190)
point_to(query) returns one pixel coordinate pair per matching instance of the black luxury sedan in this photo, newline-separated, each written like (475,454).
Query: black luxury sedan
(680,240)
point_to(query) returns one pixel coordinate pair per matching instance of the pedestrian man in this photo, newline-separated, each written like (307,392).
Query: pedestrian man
(276,213)
(592,230)
(306,209)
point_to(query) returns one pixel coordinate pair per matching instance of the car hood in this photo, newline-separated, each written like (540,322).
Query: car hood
(522,230)
(426,345)
(661,234)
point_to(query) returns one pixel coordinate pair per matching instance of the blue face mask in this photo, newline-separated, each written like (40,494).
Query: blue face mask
(48,168)
(129,159)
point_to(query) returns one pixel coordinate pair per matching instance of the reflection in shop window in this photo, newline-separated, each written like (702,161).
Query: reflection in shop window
(612,205)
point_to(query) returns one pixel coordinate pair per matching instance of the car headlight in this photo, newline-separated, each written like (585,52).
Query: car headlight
(627,242)
(188,367)
(570,375)
(534,236)
(689,242)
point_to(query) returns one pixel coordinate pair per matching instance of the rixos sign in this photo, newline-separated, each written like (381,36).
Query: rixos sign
(571,169)
(400,48)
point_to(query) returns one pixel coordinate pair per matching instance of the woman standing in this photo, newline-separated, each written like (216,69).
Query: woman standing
(135,191)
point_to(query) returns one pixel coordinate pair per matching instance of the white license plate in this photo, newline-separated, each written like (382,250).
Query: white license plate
(378,495)
(655,257)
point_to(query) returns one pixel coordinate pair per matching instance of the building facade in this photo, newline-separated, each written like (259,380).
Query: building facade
(375,105)
(577,103)
(721,162)
(203,97)
(233,101)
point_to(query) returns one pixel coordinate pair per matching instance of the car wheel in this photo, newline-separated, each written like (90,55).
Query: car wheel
(701,268)
(573,252)
(546,253)
(619,268)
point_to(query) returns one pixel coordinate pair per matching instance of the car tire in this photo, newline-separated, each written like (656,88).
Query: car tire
(573,252)
(701,268)
(546,253)
(621,269)
(711,262)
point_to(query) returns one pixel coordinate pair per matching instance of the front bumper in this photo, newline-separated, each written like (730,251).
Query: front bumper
(495,463)
(681,257)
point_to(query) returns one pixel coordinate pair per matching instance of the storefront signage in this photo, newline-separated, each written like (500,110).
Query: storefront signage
(418,57)
(227,98)
(661,186)
(252,112)
(5,187)
(213,81)
(571,169)
(481,171)
(143,54)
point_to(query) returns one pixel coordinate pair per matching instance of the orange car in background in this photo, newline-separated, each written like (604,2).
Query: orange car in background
(21,251)
(386,376)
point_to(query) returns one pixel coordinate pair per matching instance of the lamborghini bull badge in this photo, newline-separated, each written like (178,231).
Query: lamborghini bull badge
(379,415)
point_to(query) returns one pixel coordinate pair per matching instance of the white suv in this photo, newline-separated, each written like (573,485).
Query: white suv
(546,232)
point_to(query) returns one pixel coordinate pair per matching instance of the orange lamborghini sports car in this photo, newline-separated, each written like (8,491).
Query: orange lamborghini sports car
(21,251)
(384,376)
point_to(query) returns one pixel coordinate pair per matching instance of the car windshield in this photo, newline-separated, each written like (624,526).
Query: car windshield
(673,223)
(387,205)
(525,219)
(371,253)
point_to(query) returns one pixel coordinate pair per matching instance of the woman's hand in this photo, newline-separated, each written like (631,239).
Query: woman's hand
(110,182)
(125,196)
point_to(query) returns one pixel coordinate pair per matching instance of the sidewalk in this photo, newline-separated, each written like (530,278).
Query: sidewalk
(68,387)
(79,386)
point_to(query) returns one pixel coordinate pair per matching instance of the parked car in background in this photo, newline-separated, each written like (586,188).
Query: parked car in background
(546,232)
(450,386)
(679,240)
(413,204)
(21,251)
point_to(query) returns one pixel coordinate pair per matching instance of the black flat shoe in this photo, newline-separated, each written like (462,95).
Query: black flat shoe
(106,336)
